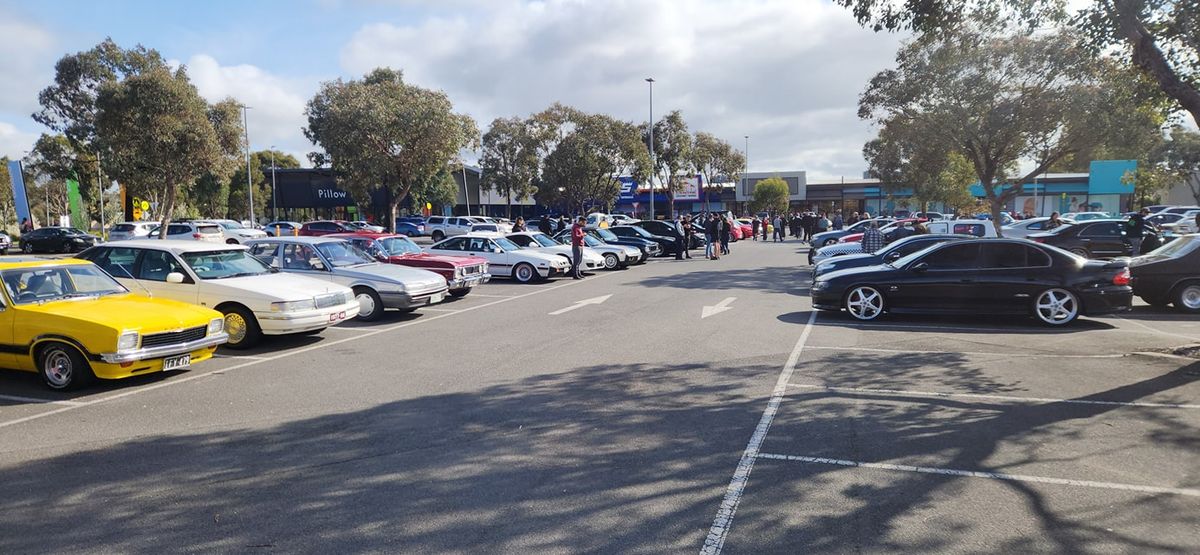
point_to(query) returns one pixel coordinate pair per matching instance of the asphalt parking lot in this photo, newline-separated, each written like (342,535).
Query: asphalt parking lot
(671,407)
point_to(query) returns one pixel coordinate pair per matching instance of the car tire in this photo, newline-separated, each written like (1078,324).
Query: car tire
(438,236)
(1056,307)
(524,273)
(1187,297)
(26,248)
(242,327)
(611,262)
(62,367)
(864,303)
(459,293)
(1081,252)
(370,306)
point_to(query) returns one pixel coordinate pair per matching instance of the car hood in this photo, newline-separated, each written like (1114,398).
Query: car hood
(453,261)
(280,286)
(860,271)
(129,312)
(394,273)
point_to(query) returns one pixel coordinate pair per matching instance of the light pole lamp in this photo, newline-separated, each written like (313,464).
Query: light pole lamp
(249,182)
(653,158)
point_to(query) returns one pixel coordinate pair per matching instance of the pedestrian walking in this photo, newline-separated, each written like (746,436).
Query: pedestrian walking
(710,237)
(562,223)
(779,231)
(823,223)
(577,248)
(754,223)
(681,229)
(872,239)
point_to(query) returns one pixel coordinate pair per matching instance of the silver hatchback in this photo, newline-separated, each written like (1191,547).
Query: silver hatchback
(377,286)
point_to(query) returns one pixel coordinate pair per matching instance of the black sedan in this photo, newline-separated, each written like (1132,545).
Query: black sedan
(667,229)
(666,244)
(993,276)
(890,253)
(1089,239)
(56,239)
(648,247)
(1170,275)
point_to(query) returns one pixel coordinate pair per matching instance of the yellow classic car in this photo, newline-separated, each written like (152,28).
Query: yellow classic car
(70,322)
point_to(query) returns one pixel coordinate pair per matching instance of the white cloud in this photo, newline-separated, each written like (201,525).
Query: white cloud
(787,73)
(27,56)
(276,114)
(14,143)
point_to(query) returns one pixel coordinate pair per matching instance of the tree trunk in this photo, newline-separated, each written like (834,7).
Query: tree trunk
(168,207)
(1150,58)
(510,204)
(394,210)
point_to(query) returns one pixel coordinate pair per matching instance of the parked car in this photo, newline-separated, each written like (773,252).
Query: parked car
(666,245)
(827,238)
(461,272)
(1086,216)
(599,220)
(486,228)
(537,240)
(236,233)
(889,253)
(645,248)
(282,228)
(1005,218)
(992,276)
(410,228)
(616,257)
(1089,239)
(504,257)
(255,300)
(1178,209)
(667,229)
(367,227)
(55,239)
(1021,229)
(70,322)
(5,242)
(130,230)
(1184,225)
(904,228)
(378,286)
(191,231)
(502,224)
(1170,274)
(1163,219)
(440,227)
(325,227)
(621,219)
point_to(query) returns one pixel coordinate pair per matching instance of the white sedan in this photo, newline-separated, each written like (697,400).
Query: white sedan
(504,257)
(236,233)
(1024,228)
(255,300)
(538,241)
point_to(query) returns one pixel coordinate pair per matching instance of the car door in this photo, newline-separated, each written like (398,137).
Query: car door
(299,258)
(941,281)
(268,253)
(1103,239)
(152,268)
(486,248)
(1010,276)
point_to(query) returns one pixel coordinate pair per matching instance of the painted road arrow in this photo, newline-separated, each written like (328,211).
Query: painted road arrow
(580,304)
(718,308)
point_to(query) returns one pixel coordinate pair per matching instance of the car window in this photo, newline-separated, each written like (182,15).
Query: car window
(456,244)
(123,227)
(300,257)
(209,229)
(910,247)
(226,263)
(522,240)
(1002,255)
(479,244)
(119,262)
(1037,225)
(179,229)
(157,264)
(1036,258)
(435,220)
(342,253)
(952,257)
(1106,229)
(265,252)
(977,230)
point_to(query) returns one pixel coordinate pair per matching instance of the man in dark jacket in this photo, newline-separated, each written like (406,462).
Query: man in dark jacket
(754,223)
(723,233)
(544,224)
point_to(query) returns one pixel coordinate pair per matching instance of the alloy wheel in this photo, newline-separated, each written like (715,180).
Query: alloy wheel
(864,303)
(58,369)
(1057,307)
(236,327)
(1189,297)
(610,261)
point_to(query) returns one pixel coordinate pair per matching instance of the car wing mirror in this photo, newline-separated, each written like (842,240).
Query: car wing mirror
(316,264)
(892,256)
(174,277)
(498,250)
(919,267)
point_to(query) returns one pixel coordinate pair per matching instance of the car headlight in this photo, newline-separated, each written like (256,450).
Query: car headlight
(216,325)
(128,341)
(293,306)
(820,285)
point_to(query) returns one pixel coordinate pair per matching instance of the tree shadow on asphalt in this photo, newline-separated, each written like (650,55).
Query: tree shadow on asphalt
(791,281)
(607,458)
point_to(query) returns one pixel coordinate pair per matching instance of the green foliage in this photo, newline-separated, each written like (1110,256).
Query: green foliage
(510,159)
(237,201)
(437,188)
(381,131)
(672,151)
(904,159)
(770,194)
(715,159)
(8,212)
(585,155)
(1175,160)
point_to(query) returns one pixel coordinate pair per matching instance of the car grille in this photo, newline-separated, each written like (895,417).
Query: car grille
(173,337)
(330,299)
(472,270)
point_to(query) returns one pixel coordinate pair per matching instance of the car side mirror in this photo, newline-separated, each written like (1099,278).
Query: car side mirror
(316,265)
(174,277)
(892,256)
(919,267)
(497,250)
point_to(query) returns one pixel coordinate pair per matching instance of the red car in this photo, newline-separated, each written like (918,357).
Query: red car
(461,272)
(325,227)
(746,229)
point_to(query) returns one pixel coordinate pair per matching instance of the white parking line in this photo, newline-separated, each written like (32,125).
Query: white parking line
(362,334)
(239,357)
(431,309)
(981,474)
(737,485)
(1158,331)
(969,353)
(491,296)
(938,394)
(39,401)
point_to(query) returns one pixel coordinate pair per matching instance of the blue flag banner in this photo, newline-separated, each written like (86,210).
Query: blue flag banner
(18,185)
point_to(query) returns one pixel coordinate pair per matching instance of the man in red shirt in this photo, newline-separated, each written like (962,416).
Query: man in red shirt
(577,248)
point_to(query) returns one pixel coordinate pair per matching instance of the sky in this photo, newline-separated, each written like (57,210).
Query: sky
(787,73)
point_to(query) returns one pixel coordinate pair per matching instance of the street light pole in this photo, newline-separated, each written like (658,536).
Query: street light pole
(653,158)
(274,198)
(249,182)
(746,168)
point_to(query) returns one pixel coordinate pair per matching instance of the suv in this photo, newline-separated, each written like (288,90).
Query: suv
(325,227)
(236,233)
(441,227)
(191,231)
(130,230)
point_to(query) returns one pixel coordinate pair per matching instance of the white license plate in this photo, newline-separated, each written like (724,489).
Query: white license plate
(434,299)
(177,362)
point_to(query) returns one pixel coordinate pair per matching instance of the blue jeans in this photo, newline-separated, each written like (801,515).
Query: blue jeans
(708,245)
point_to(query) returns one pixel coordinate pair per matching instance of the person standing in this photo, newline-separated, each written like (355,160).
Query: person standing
(577,248)
(779,222)
(723,233)
(754,223)
(681,229)
(687,232)
(519,225)
(562,223)
(710,237)
(26,226)
(1054,221)
(766,226)
(872,239)
(1135,230)
(544,224)
(838,222)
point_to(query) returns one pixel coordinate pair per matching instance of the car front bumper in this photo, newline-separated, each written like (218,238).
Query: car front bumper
(467,282)
(406,300)
(116,371)
(165,350)
(282,323)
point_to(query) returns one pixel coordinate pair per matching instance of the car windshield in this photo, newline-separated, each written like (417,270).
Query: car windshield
(399,245)
(592,241)
(1177,248)
(641,232)
(507,245)
(224,264)
(341,254)
(231,225)
(543,240)
(607,235)
(41,285)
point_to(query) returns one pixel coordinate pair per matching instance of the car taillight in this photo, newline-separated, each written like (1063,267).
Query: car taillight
(1122,278)
(1038,239)
(196,236)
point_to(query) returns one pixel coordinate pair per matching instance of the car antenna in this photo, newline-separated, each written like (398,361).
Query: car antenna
(135,281)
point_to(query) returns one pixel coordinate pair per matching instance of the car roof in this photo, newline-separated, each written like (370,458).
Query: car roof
(300,239)
(483,234)
(18,262)
(174,245)
(368,235)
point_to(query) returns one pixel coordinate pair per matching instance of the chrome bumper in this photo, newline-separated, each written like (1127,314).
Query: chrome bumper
(468,281)
(165,350)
